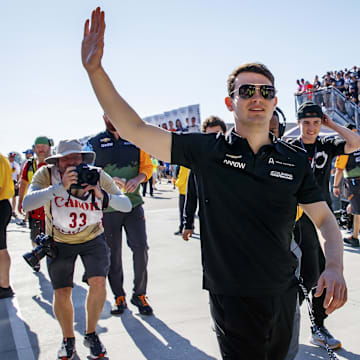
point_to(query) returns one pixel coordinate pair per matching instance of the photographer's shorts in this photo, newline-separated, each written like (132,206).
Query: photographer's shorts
(5,216)
(353,193)
(94,254)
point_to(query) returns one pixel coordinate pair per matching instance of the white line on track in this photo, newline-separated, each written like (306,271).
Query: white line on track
(21,339)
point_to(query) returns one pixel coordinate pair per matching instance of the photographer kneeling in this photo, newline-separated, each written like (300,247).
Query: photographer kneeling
(74,196)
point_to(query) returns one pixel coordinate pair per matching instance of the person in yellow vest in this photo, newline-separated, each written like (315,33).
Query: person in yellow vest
(42,149)
(181,184)
(6,192)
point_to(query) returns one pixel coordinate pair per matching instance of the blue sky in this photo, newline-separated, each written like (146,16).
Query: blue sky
(160,55)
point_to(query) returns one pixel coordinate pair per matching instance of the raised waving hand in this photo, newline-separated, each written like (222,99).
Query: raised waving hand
(127,122)
(92,47)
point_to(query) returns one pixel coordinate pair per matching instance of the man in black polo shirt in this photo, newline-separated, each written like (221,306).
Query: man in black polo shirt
(212,124)
(321,152)
(249,185)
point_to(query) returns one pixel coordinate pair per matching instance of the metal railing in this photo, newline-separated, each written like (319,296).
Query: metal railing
(334,103)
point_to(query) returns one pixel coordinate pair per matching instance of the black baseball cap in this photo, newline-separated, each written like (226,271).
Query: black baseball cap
(309,109)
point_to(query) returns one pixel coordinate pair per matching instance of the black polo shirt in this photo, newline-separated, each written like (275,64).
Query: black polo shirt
(248,206)
(321,154)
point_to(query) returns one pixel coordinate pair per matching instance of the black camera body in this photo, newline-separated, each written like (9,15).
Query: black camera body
(45,246)
(344,219)
(85,176)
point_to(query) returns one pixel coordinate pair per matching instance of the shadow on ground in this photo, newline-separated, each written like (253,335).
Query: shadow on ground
(175,347)
(308,352)
(10,319)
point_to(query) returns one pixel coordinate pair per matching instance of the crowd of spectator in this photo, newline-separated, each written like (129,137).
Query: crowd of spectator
(347,81)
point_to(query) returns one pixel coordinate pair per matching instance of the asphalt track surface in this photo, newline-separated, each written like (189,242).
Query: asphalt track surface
(180,327)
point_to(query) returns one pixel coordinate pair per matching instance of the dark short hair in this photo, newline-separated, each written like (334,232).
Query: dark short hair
(213,121)
(257,68)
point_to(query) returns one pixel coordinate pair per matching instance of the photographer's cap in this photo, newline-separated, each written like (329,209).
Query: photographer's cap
(67,147)
(308,110)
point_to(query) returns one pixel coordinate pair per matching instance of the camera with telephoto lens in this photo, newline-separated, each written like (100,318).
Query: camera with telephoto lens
(85,176)
(45,246)
(344,219)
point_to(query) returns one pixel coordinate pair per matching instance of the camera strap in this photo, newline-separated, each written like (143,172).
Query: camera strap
(84,198)
(106,200)
(330,352)
(93,199)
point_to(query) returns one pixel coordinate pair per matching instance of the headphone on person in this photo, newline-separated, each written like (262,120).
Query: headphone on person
(282,123)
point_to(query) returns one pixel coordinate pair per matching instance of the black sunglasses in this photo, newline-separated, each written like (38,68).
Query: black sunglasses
(247,91)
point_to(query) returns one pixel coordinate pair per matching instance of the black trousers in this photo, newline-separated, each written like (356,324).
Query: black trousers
(306,237)
(134,226)
(144,185)
(5,216)
(312,264)
(182,199)
(256,328)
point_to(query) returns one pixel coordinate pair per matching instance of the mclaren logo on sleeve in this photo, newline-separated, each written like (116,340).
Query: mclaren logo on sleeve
(282,175)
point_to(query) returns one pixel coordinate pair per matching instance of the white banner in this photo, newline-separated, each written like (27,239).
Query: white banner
(186,118)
